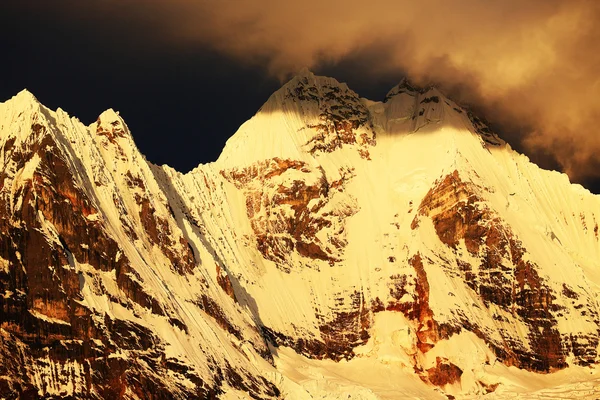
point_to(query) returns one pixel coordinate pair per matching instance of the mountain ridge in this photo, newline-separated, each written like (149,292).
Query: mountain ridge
(477,121)
(323,234)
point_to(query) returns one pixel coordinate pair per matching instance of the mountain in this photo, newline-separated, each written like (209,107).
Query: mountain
(338,248)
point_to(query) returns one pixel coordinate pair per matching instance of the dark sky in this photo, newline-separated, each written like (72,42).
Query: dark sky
(184,92)
(180,105)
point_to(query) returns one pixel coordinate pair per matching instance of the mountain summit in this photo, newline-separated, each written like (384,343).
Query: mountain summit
(338,247)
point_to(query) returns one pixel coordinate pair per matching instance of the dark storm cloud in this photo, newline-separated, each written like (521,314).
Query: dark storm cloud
(532,67)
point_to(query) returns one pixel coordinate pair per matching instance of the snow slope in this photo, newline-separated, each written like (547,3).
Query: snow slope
(338,246)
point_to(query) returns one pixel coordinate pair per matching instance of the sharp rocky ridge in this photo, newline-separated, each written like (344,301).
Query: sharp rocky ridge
(337,246)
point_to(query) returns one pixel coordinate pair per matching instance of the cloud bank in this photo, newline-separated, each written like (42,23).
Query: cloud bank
(531,66)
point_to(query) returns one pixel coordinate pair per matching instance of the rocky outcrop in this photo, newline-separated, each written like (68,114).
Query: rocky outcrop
(444,373)
(74,308)
(341,117)
(289,205)
(505,279)
(338,335)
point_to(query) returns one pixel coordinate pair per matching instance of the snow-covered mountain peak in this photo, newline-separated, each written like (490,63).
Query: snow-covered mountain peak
(21,117)
(21,102)
(316,115)
(110,116)
(306,86)
(305,72)
(308,115)
(24,98)
(397,235)
(404,86)
(109,120)
(111,125)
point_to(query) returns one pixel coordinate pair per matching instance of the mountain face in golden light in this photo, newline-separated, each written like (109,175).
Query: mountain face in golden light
(339,247)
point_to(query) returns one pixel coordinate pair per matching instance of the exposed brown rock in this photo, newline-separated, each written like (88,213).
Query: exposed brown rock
(112,132)
(427,329)
(262,170)
(160,234)
(43,324)
(458,222)
(415,223)
(489,388)
(312,250)
(341,116)
(132,285)
(277,232)
(339,336)
(459,214)
(348,329)
(210,307)
(444,373)
(225,283)
(398,286)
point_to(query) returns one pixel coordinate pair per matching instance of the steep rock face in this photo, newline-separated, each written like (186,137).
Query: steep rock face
(78,307)
(387,234)
(341,114)
(288,205)
(505,280)
(457,238)
(309,117)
